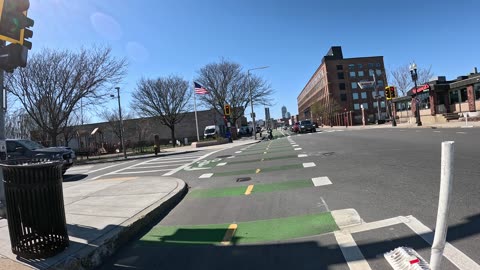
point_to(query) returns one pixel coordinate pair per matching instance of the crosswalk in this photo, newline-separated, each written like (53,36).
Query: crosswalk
(162,165)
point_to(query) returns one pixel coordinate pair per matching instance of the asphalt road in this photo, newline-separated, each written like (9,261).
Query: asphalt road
(260,206)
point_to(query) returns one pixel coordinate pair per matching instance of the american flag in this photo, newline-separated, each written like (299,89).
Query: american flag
(200,90)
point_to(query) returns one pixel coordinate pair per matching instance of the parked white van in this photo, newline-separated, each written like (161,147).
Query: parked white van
(211,132)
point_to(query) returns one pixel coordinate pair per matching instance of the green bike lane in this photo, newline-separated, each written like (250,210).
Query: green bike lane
(263,195)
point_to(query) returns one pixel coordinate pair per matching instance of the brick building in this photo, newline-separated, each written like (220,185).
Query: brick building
(336,80)
(441,100)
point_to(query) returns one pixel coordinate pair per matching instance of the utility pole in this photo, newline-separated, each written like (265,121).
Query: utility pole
(122,139)
(3,146)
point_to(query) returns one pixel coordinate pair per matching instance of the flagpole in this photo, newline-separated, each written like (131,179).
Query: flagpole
(195,107)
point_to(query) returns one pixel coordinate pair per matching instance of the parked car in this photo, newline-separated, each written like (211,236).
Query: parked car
(27,149)
(306,126)
(245,131)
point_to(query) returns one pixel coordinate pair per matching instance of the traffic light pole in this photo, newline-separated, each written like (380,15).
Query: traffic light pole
(3,150)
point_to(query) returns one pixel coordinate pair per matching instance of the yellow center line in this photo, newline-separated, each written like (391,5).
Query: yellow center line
(227,238)
(257,171)
(249,190)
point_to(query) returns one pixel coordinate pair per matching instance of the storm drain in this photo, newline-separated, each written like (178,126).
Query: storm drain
(243,179)
(405,258)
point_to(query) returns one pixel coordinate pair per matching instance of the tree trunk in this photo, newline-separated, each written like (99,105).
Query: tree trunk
(174,143)
(53,138)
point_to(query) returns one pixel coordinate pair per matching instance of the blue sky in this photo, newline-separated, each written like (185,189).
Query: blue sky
(164,37)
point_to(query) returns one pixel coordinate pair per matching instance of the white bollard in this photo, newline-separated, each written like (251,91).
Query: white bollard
(446,179)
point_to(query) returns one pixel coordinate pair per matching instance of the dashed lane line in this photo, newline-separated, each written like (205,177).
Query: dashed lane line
(206,175)
(249,190)
(221,164)
(302,155)
(296,149)
(227,238)
(308,164)
(321,181)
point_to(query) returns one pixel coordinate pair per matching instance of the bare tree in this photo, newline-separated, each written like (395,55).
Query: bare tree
(112,118)
(164,98)
(325,109)
(227,84)
(52,84)
(18,124)
(402,79)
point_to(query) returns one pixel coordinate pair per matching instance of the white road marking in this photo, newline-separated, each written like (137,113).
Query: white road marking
(321,181)
(186,165)
(162,170)
(455,256)
(461,132)
(238,152)
(296,149)
(308,164)
(180,161)
(302,155)
(351,252)
(295,145)
(222,164)
(156,166)
(325,204)
(231,157)
(206,175)
(436,131)
(374,225)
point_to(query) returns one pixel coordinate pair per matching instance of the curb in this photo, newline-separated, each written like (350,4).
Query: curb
(103,247)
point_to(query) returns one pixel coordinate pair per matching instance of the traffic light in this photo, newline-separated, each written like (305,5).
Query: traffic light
(392,92)
(388,93)
(13,56)
(226,109)
(14,22)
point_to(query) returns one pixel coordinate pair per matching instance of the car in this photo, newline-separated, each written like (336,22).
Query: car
(306,126)
(23,149)
(244,131)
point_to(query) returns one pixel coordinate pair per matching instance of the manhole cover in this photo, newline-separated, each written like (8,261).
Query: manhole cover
(243,179)
(328,154)
(225,156)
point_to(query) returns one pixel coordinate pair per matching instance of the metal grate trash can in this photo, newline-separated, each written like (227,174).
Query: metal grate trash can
(35,207)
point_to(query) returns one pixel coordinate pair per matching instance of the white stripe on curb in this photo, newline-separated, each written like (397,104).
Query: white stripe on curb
(321,181)
(308,164)
(351,252)
(206,175)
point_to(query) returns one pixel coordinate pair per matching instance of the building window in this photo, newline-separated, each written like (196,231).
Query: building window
(340,75)
(339,67)
(381,93)
(351,66)
(343,97)
(383,104)
(364,95)
(378,65)
(355,96)
(476,88)
(453,96)
(341,86)
(365,106)
(380,83)
(356,106)
(359,66)
(354,85)
(370,65)
(464,94)
(379,72)
(352,74)
(360,73)
(370,72)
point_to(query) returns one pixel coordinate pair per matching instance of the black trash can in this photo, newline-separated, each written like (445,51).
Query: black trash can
(35,207)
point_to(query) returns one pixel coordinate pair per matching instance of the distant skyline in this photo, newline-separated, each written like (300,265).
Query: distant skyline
(161,38)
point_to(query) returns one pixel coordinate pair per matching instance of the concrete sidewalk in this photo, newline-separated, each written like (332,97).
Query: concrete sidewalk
(452,124)
(105,213)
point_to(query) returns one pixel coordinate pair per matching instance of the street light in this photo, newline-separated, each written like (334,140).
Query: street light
(413,72)
(251,101)
(121,122)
